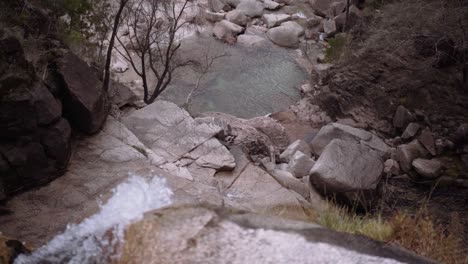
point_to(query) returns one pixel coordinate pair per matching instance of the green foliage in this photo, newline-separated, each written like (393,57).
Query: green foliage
(336,48)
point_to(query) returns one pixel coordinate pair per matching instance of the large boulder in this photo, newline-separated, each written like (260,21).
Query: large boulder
(85,103)
(346,166)
(347,133)
(34,138)
(298,29)
(227,31)
(251,8)
(283,36)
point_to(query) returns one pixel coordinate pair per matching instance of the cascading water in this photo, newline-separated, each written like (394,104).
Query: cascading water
(99,237)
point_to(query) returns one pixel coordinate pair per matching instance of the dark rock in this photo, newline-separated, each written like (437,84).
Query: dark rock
(355,16)
(391,167)
(461,134)
(440,47)
(427,140)
(85,103)
(121,95)
(443,144)
(402,117)
(34,138)
(410,131)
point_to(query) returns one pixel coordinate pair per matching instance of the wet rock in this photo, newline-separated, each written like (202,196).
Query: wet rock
(402,117)
(85,103)
(214,17)
(283,36)
(273,20)
(391,167)
(427,140)
(347,133)
(329,27)
(271,5)
(408,152)
(298,145)
(251,8)
(427,168)
(250,41)
(227,31)
(236,17)
(411,130)
(300,164)
(298,29)
(346,166)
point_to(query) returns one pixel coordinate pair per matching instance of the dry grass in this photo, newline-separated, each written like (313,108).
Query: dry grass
(417,233)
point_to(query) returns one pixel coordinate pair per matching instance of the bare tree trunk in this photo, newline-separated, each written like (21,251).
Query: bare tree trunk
(345,27)
(105,84)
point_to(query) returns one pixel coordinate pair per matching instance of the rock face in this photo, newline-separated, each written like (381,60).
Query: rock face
(283,36)
(34,138)
(85,103)
(201,235)
(346,166)
(227,31)
(427,168)
(346,133)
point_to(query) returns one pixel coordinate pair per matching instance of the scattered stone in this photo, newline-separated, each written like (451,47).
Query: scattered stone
(271,5)
(227,31)
(408,152)
(402,117)
(347,133)
(283,36)
(250,41)
(427,168)
(346,166)
(273,20)
(250,8)
(214,17)
(391,167)
(300,164)
(298,29)
(411,130)
(298,145)
(236,17)
(217,5)
(427,140)
(256,30)
(329,27)
(313,21)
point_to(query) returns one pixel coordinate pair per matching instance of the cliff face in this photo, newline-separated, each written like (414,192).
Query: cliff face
(37,110)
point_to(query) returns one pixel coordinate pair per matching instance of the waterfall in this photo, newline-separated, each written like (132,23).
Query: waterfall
(101,236)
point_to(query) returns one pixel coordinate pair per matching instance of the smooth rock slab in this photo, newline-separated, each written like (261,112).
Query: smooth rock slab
(346,166)
(250,40)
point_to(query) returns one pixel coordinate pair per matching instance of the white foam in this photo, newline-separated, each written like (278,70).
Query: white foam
(99,237)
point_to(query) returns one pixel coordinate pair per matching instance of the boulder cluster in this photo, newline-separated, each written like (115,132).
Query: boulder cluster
(250,22)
